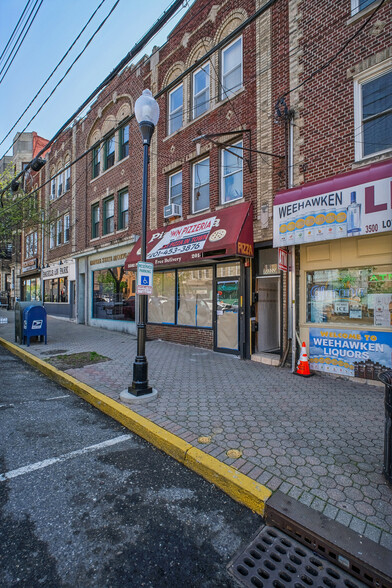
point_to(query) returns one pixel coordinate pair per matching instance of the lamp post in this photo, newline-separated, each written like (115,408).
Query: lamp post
(147,115)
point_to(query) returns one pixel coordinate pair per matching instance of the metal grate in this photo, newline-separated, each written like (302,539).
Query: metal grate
(275,560)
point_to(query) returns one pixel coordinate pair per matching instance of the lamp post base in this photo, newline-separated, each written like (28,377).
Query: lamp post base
(129,398)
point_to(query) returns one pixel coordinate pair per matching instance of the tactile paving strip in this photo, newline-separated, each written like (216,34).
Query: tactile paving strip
(275,560)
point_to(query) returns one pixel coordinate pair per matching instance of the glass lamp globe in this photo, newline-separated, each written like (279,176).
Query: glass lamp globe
(147,108)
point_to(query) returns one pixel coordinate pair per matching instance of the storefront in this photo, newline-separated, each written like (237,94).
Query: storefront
(30,281)
(59,288)
(201,284)
(342,227)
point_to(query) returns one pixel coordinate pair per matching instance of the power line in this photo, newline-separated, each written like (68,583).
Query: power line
(50,76)
(23,38)
(15,29)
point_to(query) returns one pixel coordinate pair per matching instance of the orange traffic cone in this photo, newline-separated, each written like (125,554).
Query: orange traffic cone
(303,363)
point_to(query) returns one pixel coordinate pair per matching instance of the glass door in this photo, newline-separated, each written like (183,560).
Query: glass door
(227,325)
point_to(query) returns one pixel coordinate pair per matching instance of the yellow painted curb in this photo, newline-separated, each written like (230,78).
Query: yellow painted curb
(231,481)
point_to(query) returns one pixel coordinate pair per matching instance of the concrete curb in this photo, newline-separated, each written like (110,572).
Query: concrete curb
(231,481)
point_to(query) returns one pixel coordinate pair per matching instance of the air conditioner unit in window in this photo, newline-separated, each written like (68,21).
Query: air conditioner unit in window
(172,210)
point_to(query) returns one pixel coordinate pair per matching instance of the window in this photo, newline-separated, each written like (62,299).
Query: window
(95,221)
(124,142)
(59,231)
(358,5)
(373,121)
(194,298)
(66,228)
(175,109)
(60,183)
(56,290)
(67,179)
(182,297)
(114,294)
(175,188)
(201,90)
(96,162)
(109,152)
(231,69)
(201,185)
(31,245)
(123,209)
(53,189)
(232,173)
(350,295)
(52,233)
(108,216)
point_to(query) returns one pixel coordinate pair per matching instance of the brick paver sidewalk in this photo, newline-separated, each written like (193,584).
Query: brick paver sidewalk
(320,440)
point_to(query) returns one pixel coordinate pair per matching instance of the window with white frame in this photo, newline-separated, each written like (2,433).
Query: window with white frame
(67,174)
(175,109)
(31,245)
(175,188)
(108,216)
(60,184)
(123,209)
(52,234)
(201,185)
(231,62)
(53,189)
(66,228)
(373,114)
(232,173)
(59,231)
(201,90)
(358,5)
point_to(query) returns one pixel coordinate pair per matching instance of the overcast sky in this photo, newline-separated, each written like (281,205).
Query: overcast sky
(54,29)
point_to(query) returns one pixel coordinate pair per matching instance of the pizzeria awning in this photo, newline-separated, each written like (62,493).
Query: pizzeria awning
(223,233)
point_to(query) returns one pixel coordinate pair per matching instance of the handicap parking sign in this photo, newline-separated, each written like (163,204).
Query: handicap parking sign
(144,277)
(145,280)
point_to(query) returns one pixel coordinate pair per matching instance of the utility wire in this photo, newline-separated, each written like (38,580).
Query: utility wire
(14,31)
(19,46)
(50,76)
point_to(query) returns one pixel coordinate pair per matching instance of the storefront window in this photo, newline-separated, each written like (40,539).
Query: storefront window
(350,295)
(194,297)
(268,262)
(31,289)
(228,270)
(56,290)
(114,294)
(161,304)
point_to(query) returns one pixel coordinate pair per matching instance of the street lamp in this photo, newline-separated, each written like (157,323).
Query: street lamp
(147,115)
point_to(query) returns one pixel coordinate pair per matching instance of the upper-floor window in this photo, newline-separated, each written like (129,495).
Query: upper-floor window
(373,110)
(53,188)
(232,173)
(52,234)
(175,109)
(124,142)
(60,184)
(123,209)
(175,188)
(358,5)
(201,185)
(95,221)
(110,146)
(66,228)
(31,245)
(201,90)
(67,179)
(231,78)
(96,161)
(59,231)
(108,216)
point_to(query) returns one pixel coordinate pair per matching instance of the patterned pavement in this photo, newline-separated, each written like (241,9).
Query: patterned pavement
(319,440)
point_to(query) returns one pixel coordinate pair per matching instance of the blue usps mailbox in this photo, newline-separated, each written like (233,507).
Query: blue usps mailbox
(34,323)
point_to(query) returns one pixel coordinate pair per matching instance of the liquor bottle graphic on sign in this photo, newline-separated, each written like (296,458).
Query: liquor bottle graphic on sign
(353,216)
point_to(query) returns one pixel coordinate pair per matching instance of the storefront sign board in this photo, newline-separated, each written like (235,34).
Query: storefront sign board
(144,277)
(347,205)
(282,259)
(363,354)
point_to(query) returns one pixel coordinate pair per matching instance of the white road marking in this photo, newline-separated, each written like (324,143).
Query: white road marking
(39,465)
(57,397)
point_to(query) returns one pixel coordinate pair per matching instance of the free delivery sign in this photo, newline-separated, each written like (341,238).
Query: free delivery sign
(350,353)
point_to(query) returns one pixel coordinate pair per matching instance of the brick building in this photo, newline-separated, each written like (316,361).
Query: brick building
(338,216)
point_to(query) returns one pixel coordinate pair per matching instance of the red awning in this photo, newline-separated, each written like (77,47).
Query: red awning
(224,233)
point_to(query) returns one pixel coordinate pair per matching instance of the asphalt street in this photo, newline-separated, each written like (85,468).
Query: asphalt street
(84,502)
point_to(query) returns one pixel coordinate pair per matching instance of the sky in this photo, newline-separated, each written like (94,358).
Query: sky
(57,24)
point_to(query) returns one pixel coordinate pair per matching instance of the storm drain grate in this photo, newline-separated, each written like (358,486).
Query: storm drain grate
(275,560)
